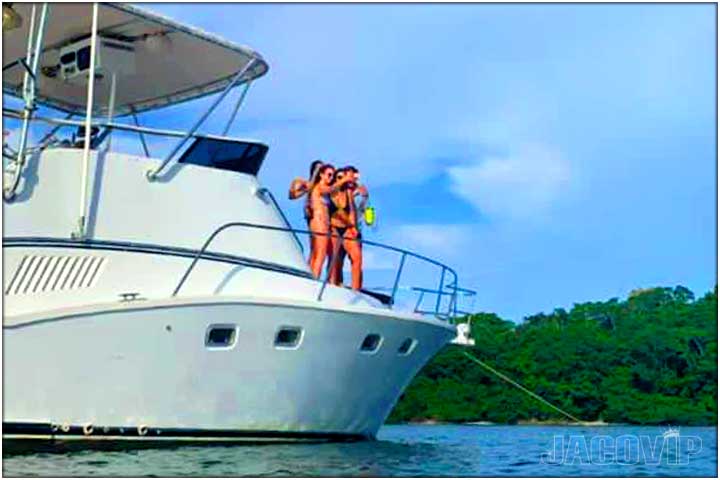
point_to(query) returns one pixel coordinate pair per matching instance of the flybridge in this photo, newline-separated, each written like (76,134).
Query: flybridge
(112,60)
(165,62)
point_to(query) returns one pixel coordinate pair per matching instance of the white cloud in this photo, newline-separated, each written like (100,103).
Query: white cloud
(436,240)
(374,259)
(525,184)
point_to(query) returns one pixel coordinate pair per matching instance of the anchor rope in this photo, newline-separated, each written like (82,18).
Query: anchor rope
(515,384)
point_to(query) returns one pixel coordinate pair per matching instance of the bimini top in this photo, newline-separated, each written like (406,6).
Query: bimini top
(158,61)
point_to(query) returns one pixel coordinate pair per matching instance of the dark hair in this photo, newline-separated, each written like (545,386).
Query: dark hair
(321,170)
(314,166)
(338,172)
(351,168)
(324,168)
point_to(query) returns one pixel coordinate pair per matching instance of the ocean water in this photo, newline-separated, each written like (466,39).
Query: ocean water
(411,450)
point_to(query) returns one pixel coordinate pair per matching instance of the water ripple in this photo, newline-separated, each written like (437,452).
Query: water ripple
(402,450)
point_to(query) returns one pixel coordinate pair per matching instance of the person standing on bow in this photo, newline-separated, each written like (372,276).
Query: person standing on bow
(344,221)
(300,187)
(324,186)
(358,190)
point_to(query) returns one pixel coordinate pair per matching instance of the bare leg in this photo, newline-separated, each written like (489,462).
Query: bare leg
(354,251)
(313,249)
(337,258)
(322,243)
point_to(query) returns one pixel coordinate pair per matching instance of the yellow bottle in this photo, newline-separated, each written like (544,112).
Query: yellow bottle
(369,216)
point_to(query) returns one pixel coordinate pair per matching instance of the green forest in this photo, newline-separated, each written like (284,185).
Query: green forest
(650,359)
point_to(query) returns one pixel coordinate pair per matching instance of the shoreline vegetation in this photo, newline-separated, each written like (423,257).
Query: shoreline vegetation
(650,359)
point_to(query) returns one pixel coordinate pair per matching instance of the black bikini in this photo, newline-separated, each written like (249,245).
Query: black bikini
(333,208)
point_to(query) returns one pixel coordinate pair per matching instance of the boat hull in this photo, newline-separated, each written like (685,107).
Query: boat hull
(143,371)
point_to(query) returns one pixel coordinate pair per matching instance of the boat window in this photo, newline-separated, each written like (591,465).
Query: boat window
(407,346)
(371,343)
(68,58)
(83,58)
(236,156)
(222,336)
(288,337)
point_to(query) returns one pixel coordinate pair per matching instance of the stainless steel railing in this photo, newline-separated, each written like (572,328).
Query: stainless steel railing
(67,122)
(266,193)
(450,290)
(445,290)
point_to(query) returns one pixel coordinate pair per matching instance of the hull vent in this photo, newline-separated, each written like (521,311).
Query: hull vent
(39,273)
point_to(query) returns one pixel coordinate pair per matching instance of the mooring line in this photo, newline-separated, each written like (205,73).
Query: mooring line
(515,384)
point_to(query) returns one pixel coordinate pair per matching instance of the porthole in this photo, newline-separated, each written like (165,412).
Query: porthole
(221,336)
(407,346)
(371,343)
(288,337)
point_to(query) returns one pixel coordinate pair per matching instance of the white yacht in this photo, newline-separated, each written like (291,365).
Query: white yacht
(137,308)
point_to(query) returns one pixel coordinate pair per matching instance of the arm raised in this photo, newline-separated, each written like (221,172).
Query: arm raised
(298,188)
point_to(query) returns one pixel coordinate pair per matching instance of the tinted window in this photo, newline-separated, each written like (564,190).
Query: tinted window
(407,346)
(288,337)
(83,58)
(68,57)
(371,343)
(237,156)
(220,336)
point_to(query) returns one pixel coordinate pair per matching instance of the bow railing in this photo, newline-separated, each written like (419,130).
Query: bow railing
(442,309)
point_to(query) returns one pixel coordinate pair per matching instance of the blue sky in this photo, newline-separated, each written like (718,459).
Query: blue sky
(551,153)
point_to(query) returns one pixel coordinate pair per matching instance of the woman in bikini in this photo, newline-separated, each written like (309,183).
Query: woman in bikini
(344,223)
(320,193)
(300,187)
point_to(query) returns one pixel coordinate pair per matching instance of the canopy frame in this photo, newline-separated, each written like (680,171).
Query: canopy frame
(151,88)
(252,66)
(153,174)
(29,95)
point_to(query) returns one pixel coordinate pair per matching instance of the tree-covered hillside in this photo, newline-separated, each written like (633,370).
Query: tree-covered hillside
(651,359)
